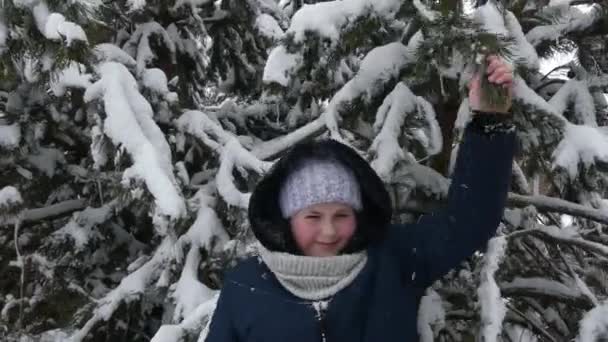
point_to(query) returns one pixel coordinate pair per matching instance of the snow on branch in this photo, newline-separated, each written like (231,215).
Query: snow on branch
(189,292)
(189,326)
(559,235)
(73,76)
(525,52)
(542,287)
(235,155)
(557,205)
(328,19)
(576,92)
(523,93)
(580,144)
(136,5)
(138,45)
(130,288)
(193,300)
(377,68)
(425,12)
(10,196)
(108,52)
(10,206)
(281,65)
(3,35)
(53,26)
(130,123)
(232,154)
(594,324)
(80,228)
(10,135)
(390,117)
(572,20)
(430,314)
(492,305)
(271,148)
(491,19)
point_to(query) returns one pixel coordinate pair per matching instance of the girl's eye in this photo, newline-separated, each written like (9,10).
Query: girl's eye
(312,217)
(342,215)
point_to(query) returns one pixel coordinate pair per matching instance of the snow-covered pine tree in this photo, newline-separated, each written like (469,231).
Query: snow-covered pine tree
(132,132)
(106,207)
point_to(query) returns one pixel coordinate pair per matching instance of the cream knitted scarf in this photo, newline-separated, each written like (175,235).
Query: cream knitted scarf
(313,278)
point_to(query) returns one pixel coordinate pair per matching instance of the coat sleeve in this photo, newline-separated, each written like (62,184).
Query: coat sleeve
(222,328)
(477,195)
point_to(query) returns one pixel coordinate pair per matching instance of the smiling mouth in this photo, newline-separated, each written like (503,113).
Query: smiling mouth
(328,243)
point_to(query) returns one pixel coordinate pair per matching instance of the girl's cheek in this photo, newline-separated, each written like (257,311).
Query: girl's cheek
(303,233)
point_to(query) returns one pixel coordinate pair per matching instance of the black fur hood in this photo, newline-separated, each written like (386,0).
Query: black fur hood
(273,231)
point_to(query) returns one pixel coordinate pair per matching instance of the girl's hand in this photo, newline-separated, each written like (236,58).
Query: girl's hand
(499,73)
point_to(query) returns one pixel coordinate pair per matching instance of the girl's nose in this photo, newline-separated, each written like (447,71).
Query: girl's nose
(328,229)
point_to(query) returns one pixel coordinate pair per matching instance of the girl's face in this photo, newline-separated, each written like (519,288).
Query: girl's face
(323,229)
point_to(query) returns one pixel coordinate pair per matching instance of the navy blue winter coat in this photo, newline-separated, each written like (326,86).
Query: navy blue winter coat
(381,304)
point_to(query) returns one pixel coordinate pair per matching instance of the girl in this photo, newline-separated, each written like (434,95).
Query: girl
(332,267)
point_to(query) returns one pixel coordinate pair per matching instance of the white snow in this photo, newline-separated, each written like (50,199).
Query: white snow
(425,12)
(493,308)
(111,53)
(3,36)
(73,76)
(573,19)
(25,3)
(268,27)
(431,313)
(189,3)
(380,65)
(207,225)
(129,123)
(543,286)
(189,292)
(130,288)
(191,324)
(576,92)
(46,160)
(433,140)
(390,117)
(491,19)
(138,46)
(524,50)
(580,144)
(272,147)
(136,5)
(9,196)
(328,18)
(233,154)
(54,26)
(155,80)
(559,3)
(10,135)
(524,93)
(280,66)
(80,229)
(594,324)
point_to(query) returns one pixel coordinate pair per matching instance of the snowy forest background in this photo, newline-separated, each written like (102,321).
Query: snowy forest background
(131,133)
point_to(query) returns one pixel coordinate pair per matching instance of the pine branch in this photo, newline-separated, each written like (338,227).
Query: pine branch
(557,205)
(51,212)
